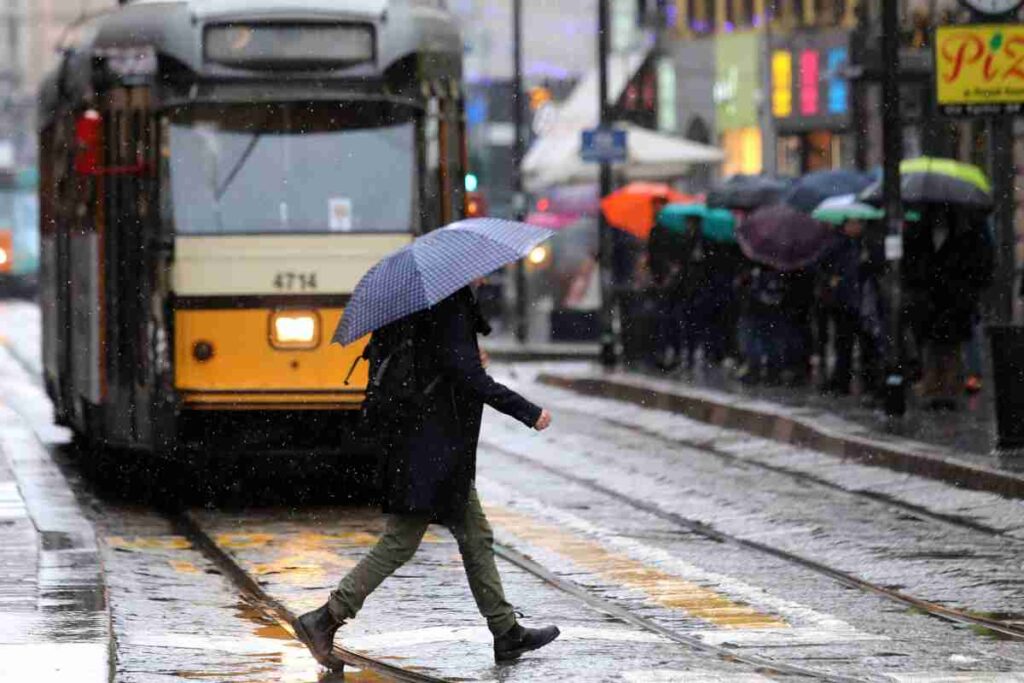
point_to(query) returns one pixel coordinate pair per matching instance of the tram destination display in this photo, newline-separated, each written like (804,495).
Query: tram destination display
(288,45)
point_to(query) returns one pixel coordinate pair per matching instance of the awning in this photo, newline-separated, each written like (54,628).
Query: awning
(555,158)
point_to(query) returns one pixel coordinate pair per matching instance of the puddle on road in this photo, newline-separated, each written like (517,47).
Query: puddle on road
(264,625)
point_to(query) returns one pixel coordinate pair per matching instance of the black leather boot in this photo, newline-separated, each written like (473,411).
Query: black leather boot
(316,631)
(520,640)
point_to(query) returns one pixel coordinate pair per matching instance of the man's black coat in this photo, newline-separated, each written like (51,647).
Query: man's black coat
(429,465)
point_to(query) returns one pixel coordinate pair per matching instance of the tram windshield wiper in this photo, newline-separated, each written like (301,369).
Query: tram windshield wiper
(246,153)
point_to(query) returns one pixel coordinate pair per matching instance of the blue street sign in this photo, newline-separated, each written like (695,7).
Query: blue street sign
(603,144)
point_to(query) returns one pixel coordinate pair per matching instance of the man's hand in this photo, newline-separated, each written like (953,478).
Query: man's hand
(485,359)
(544,421)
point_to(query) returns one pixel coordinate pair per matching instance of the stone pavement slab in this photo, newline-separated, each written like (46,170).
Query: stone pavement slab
(812,427)
(54,624)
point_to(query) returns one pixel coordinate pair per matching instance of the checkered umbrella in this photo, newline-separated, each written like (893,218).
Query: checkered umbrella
(431,268)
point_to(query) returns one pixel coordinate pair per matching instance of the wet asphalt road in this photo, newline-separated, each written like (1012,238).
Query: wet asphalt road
(597,501)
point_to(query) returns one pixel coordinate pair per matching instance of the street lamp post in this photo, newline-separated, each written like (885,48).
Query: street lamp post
(895,400)
(605,237)
(519,199)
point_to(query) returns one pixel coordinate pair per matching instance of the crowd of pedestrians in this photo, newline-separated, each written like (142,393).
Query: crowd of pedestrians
(822,322)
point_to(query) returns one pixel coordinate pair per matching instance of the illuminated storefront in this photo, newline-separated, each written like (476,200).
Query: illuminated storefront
(810,101)
(736,96)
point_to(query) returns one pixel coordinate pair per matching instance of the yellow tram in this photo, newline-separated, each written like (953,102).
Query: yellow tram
(215,177)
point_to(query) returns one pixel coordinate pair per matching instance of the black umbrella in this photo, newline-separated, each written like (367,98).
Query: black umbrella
(746,192)
(814,188)
(933,180)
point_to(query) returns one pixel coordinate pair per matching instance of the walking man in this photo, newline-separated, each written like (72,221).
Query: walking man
(428,469)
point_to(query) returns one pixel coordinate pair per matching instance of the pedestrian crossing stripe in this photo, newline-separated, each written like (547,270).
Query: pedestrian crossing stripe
(799,623)
(148,543)
(659,586)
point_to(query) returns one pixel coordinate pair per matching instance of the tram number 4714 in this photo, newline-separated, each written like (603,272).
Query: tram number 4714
(289,281)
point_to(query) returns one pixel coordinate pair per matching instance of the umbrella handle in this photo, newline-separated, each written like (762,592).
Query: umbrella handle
(352,368)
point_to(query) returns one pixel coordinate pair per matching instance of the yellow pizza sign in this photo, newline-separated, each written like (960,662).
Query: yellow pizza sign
(979,69)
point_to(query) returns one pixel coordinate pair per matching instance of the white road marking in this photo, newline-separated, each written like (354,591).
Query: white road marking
(827,629)
(957,677)
(377,642)
(675,676)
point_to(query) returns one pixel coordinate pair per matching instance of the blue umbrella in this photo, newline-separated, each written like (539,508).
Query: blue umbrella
(814,188)
(432,268)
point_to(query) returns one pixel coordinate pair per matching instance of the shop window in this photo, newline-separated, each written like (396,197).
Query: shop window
(701,15)
(698,131)
(786,13)
(828,12)
(742,149)
(739,14)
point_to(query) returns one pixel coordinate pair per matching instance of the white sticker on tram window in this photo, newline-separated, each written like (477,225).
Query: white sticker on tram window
(339,210)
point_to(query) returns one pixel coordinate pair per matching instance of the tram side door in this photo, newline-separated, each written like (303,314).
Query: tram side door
(131,220)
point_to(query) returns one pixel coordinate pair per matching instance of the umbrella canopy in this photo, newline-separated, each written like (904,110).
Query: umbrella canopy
(631,208)
(431,268)
(814,188)
(715,224)
(782,237)
(934,180)
(838,210)
(746,192)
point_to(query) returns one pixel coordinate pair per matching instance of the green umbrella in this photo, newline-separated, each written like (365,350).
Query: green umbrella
(838,210)
(715,224)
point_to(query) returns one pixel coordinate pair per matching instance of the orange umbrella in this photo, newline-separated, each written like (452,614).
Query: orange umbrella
(631,208)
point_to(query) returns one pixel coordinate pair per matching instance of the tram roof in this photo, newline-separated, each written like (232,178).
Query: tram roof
(216,9)
(174,29)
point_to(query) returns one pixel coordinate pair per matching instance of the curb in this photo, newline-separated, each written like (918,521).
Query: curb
(528,356)
(542,353)
(799,431)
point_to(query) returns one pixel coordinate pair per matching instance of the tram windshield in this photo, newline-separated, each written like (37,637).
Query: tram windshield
(290,168)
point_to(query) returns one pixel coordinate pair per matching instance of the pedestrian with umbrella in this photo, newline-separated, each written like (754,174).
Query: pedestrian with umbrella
(785,237)
(743,194)
(847,294)
(428,386)
(708,270)
(948,262)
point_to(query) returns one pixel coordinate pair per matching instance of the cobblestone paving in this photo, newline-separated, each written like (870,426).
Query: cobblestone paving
(424,616)
(175,617)
(923,557)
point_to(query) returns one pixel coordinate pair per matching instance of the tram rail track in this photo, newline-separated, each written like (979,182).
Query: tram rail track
(190,528)
(953,615)
(917,511)
(186,524)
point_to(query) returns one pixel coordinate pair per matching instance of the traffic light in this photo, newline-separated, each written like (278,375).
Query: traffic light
(476,205)
(472,182)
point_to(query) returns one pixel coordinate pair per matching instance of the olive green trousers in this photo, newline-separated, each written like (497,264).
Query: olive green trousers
(402,537)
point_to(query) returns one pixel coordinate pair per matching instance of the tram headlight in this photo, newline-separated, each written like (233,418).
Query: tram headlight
(4,257)
(538,256)
(295,329)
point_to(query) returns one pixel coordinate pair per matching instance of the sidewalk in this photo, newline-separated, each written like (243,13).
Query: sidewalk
(55,625)
(504,347)
(952,447)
